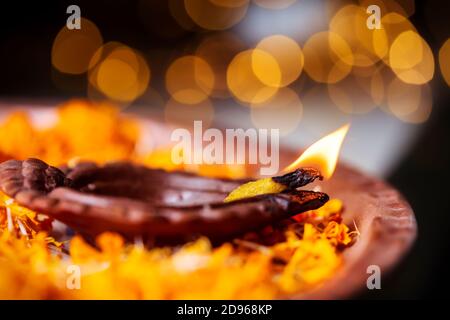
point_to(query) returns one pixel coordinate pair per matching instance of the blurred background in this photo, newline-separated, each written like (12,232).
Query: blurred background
(303,66)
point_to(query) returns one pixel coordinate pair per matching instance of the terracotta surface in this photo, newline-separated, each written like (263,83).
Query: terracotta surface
(385,220)
(383,217)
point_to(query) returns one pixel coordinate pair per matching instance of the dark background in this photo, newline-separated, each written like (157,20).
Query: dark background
(27,31)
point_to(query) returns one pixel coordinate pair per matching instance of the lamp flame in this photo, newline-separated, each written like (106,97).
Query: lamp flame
(323,154)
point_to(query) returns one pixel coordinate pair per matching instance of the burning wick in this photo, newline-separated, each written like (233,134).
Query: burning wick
(323,154)
(292,180)
(319,162)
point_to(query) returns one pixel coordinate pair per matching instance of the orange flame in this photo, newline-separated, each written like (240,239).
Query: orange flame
(323,154)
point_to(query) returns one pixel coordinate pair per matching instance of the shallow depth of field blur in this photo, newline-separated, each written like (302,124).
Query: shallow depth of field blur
(305,67)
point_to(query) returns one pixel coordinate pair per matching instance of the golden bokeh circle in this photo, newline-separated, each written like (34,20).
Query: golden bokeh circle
(178,12)
(328,57)
(266,68)
(288,55)
(213,15)
(72,50)
(411,58)
(350,22)
(189,79)
(359,93)
(230,3)
(122,73)
(403,7)
(116,79)
(444,61)
(409,102)
(253,76)
(393,24)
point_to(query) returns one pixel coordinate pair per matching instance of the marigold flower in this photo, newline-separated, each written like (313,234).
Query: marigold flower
(297,256)
(337,233)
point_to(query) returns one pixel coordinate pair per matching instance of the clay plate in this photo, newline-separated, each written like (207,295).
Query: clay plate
(384,219)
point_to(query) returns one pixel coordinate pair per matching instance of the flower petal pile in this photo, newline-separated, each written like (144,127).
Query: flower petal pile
(296,255)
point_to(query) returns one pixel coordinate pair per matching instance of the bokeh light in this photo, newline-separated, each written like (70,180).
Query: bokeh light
(357,68)
(122,73)
(358,93)
(72,49)
(444,61)
(178,11)
(350,23)
(328,57)
(288,55)
(393,24)
(216,15)
(266,68)
(190,80)
(411,58)
(408,102)
(403,7)
(230,3)
(253,76)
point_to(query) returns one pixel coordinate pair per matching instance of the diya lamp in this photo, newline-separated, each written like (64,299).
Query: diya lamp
(174,207)
(171,208)
(137,201)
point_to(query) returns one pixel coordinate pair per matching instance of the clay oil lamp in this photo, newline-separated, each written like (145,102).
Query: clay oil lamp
(171,208)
